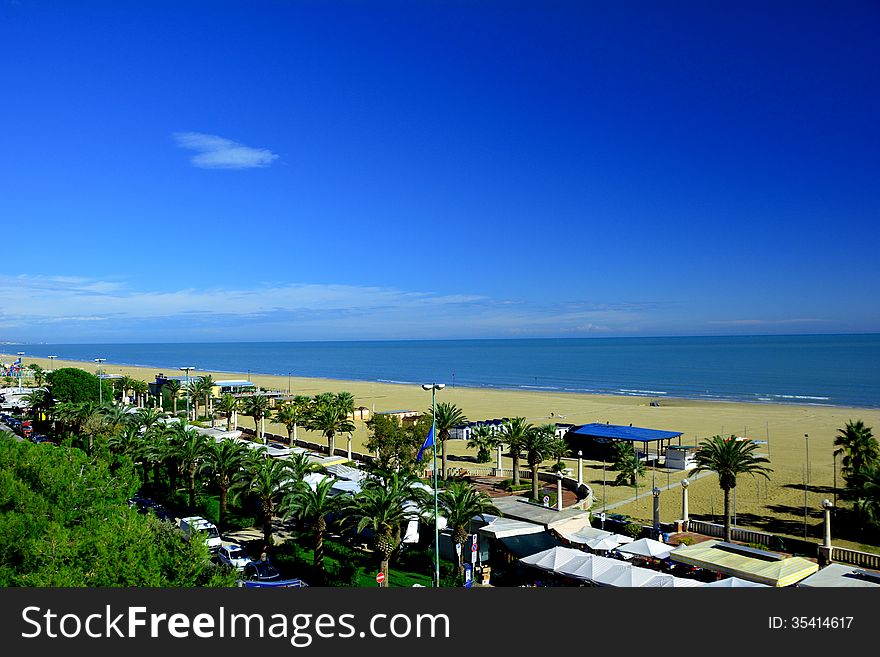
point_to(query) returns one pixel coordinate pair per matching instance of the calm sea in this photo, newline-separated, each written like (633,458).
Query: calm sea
(840,370)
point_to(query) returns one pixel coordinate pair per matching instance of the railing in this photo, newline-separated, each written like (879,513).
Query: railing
(736,533)
(856,558)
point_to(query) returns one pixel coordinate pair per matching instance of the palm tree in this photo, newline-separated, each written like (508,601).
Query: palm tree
(194,390)
(381,506)
(627,464)
(313,505)
(537,445)
(38,400)
(256,407)
(39,374)
(206,387)
(269,479)
(446,417)
(459,503)
(115,418)
(859,448)
(559,449)
(514,432)
(149,417)
(228,405)
(141,389)
(484,440)
(191,449)
(729,458)
(173,388)
(345,401)
(868,494)
(290,415)
(223,463)
(328,417)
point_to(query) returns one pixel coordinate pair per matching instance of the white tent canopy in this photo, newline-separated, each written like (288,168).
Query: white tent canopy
(553,559)
(647,547)
(733,583)
(603,544)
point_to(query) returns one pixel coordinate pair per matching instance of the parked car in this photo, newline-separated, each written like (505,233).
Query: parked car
(198,525)
(146,505)
(233,556)
(261,571)
(40,438)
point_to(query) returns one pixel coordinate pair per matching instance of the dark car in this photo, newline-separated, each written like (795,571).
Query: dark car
(146,505)
(40,438)
(261,571)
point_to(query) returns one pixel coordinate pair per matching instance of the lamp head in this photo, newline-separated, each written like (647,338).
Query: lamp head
(827,504)
(426,386)
(439,386)
(685,483)
(656,492)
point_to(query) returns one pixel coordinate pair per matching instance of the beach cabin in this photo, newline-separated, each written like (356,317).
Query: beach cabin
(681,457)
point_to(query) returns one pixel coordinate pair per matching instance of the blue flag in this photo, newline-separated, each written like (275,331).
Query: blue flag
(429,442)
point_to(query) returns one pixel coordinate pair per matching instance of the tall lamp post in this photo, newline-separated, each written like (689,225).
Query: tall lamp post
(100,381)
(807,443)
(187,369)
(52,362)
(434,387)
(20,369)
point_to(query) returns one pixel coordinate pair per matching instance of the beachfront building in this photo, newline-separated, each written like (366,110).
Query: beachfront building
(597,440)
(231,386)
(405,417)
(463,431)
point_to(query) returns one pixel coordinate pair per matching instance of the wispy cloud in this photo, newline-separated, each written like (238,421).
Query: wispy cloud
(766,322)
(215,152)
(59,308)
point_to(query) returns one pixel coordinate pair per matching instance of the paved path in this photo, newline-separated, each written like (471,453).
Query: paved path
(647,491)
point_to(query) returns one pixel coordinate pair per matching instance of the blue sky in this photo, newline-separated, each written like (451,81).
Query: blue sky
(177,171)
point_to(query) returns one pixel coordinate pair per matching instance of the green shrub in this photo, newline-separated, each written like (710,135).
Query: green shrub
(686,540)
(633,530)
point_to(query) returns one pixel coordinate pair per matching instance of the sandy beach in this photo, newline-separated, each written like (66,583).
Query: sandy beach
(777,506)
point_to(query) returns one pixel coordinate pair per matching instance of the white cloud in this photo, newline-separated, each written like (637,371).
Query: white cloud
(215,152)
(765,322)
(60,308)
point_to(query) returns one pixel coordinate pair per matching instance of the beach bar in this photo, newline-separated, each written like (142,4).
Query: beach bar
(591,438)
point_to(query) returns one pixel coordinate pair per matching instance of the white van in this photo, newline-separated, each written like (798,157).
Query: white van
(207,528)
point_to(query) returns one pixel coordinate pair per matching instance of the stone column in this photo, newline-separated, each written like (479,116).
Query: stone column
(580,468)
(559,492)
(349,447)
(827,506)
(499,471)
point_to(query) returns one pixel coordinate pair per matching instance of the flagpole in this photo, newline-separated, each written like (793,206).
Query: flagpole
(436,514)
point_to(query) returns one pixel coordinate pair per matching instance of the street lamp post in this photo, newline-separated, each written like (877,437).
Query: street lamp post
(604,495)
(100,381)
(52,362)
(835,479)
(656,492)
(288,384)
(187,369)
(807,443)
(434,387)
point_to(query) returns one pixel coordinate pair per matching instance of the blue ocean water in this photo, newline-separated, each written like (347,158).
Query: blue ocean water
(839,370)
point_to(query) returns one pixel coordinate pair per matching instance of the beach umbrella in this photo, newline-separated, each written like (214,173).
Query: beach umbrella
(648,548)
